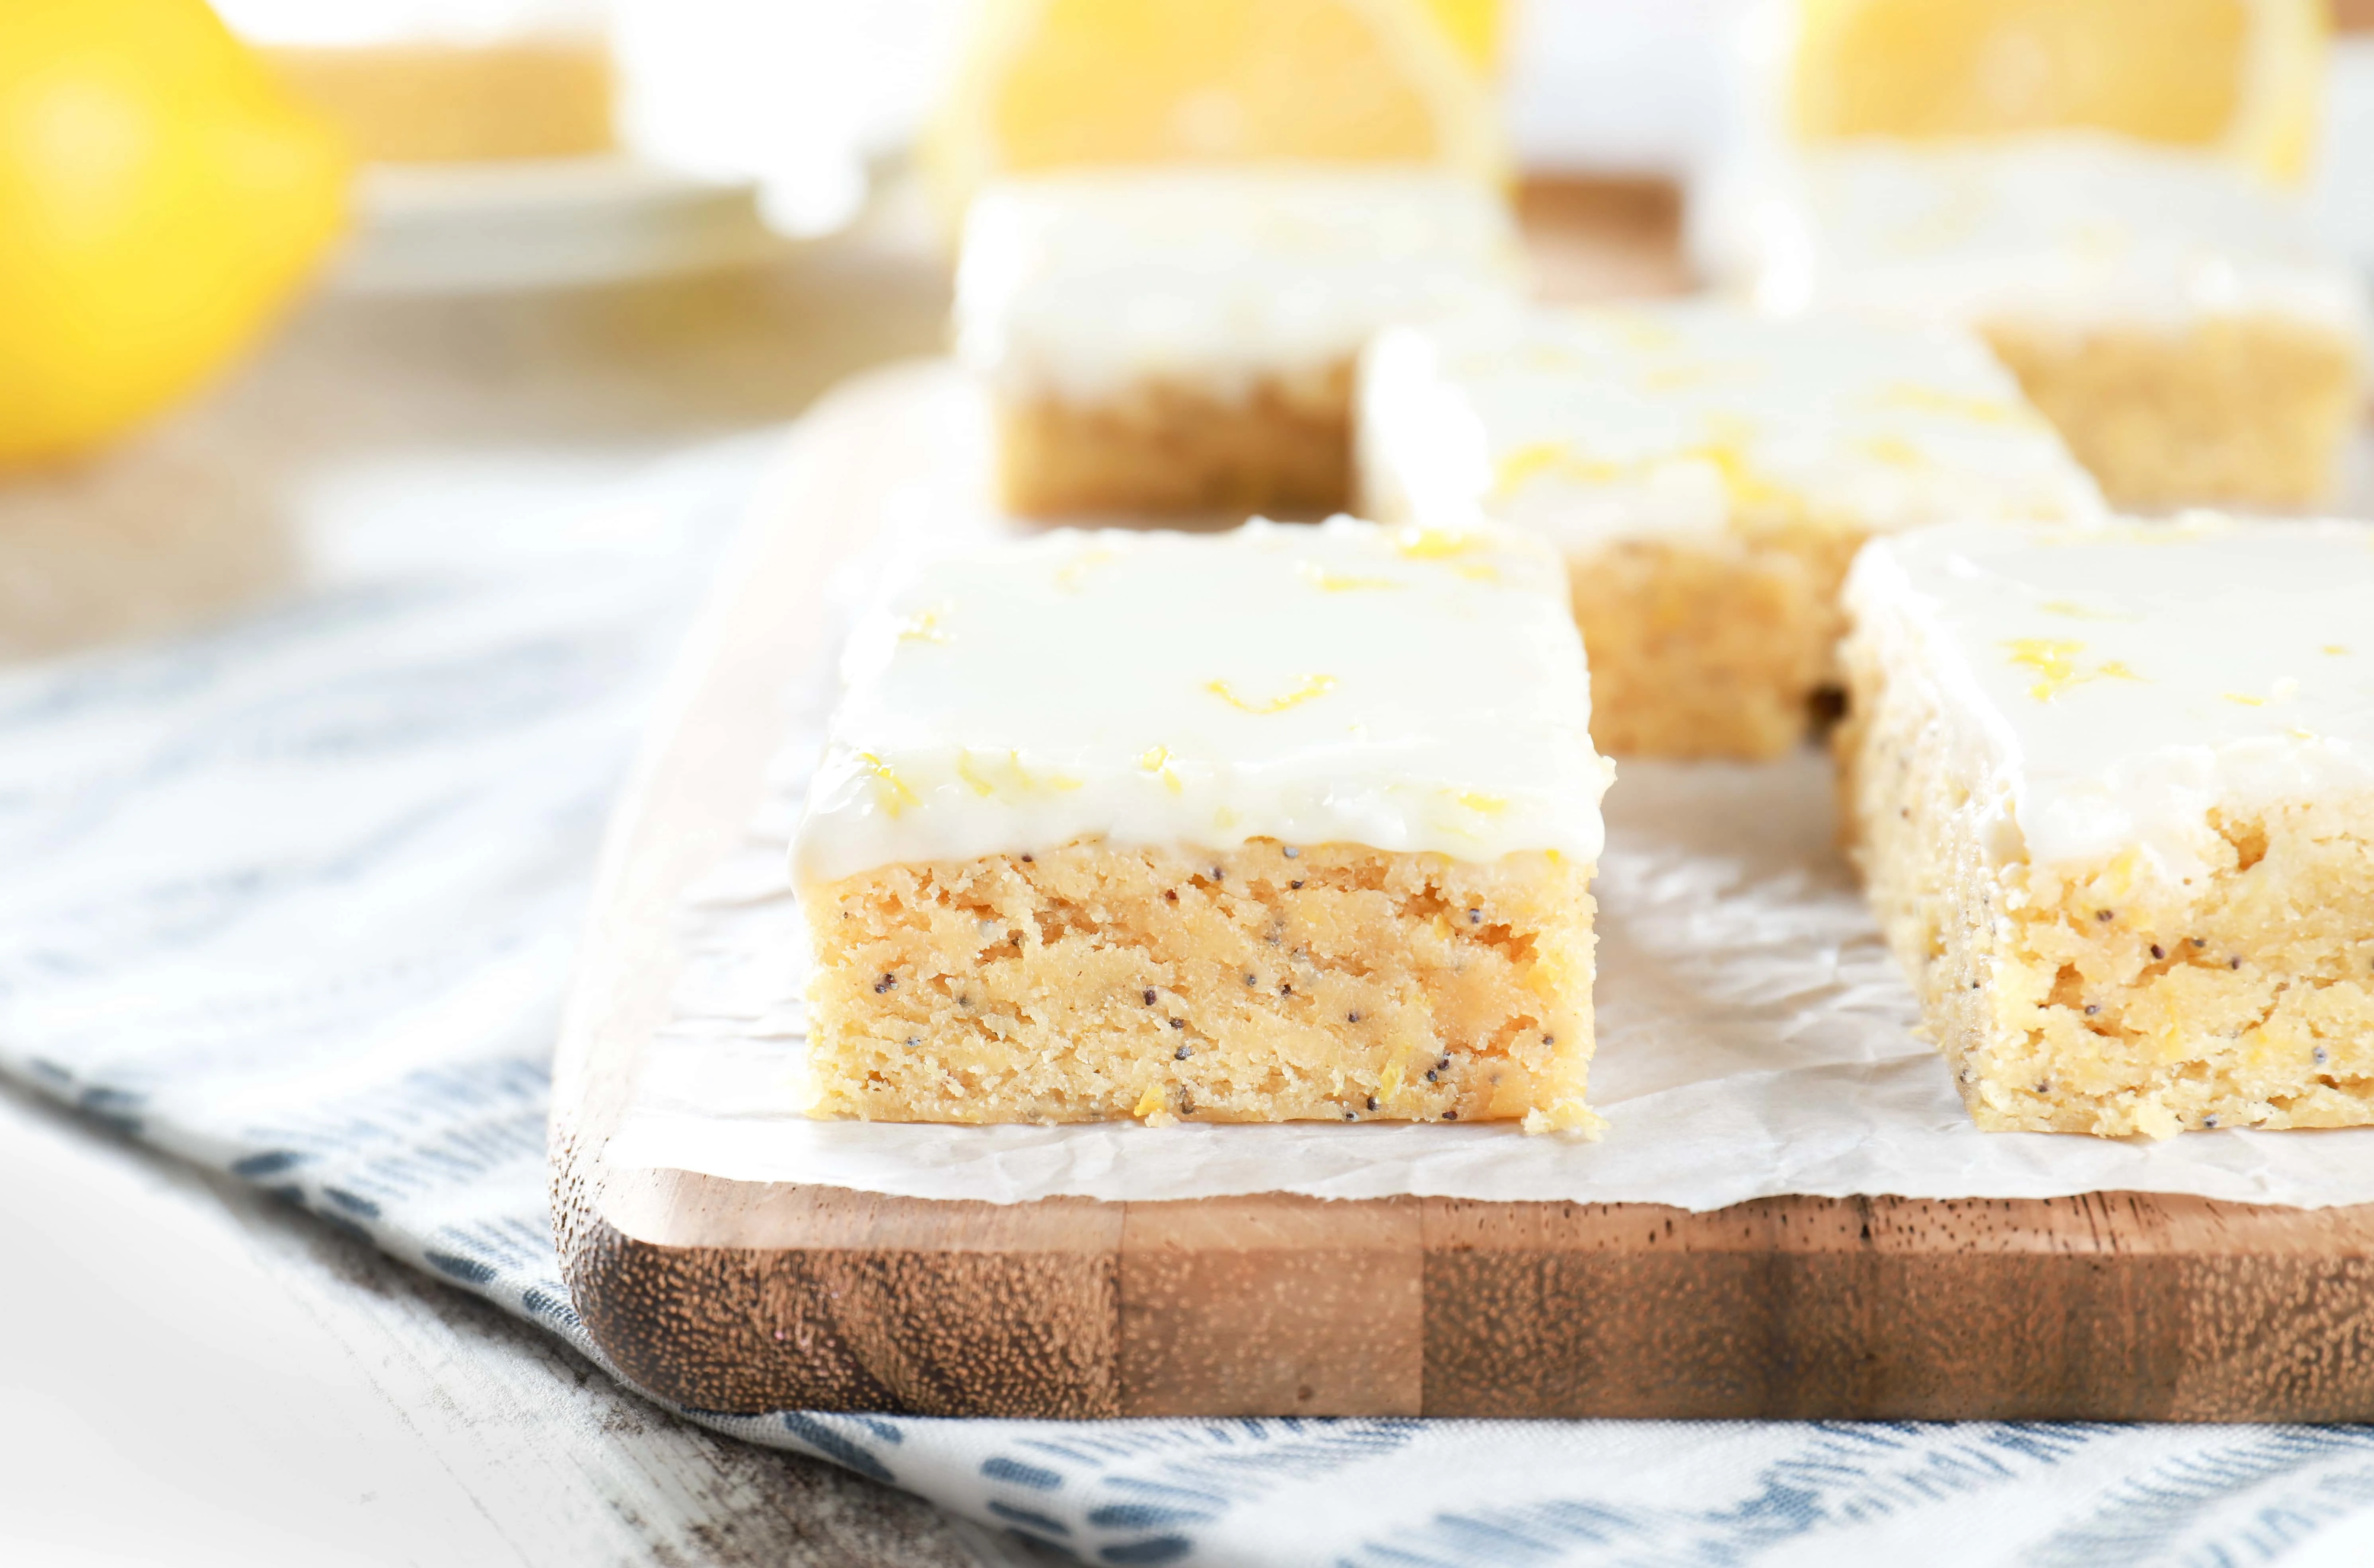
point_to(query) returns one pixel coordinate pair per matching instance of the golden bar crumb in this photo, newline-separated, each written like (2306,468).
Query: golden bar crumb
(2113,794)
(1279,824)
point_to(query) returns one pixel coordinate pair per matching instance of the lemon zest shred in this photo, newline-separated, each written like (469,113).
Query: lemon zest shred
(1328,582)
(1312,686)
(2055,659)
(965,772)
(1433,544)
(1896,451)
(924,625)
(1929,400)
(1525,463)
(896,795)
(1156,760)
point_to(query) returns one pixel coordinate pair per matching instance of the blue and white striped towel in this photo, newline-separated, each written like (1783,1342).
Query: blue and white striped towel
(295,900)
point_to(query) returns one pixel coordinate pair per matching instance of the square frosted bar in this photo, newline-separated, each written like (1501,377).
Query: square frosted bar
(2113,794)
(2173,318)
(1180,342)
(1279,824)
(1707,474)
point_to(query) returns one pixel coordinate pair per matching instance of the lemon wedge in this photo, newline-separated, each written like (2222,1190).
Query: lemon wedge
(1049,84)
(2241,78)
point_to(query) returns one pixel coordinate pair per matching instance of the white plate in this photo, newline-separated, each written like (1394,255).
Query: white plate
(437,228)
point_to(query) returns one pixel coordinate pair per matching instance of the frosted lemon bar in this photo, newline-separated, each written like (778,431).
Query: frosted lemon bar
(1706,475)
(1282,823)
(2113,791)
(2171,318)
(1181,341)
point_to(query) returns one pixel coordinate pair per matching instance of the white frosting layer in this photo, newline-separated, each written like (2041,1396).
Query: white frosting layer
(2108,687)
(2070,228)
(1403,690)
(1588,425)
(1082,283)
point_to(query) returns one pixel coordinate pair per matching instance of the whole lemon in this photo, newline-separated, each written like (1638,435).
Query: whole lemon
(160,197)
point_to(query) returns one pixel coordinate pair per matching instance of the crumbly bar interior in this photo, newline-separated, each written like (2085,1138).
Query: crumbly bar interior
(2105,998)
(1268,983)
(2250,409)
(1281,445)
(1713,648)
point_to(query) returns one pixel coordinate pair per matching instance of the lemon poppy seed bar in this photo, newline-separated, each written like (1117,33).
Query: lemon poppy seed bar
(1181,341)
(1279,824)
(1708,475)
(2175,320)
(2113,794)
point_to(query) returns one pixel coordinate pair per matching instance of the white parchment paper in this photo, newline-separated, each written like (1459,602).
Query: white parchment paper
(1755,1037)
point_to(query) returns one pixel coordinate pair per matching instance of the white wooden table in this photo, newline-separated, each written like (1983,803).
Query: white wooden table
(321,1404)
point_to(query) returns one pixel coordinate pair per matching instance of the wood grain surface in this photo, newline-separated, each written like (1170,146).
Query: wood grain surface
(739,1296)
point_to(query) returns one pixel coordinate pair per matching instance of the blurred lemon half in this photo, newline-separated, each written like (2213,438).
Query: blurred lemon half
(1050,84)
(160,198)
(2242,79)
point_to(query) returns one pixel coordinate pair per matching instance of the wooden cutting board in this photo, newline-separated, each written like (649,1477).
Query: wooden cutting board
(748,1297)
